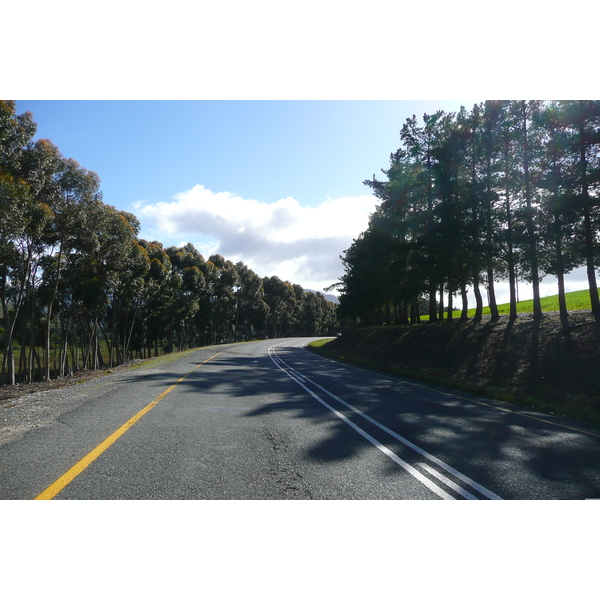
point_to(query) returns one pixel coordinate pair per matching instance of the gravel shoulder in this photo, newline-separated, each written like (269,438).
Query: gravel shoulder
(27,406)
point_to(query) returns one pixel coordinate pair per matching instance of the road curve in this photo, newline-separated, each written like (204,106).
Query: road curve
(270,420)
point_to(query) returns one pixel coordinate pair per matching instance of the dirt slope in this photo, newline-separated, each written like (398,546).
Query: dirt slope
(535,363)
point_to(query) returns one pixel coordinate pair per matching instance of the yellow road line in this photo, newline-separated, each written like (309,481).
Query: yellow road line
(78,468)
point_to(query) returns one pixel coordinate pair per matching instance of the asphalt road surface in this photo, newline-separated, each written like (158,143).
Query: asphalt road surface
(270,420)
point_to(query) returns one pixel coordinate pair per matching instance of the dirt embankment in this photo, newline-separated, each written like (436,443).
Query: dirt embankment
(543,364)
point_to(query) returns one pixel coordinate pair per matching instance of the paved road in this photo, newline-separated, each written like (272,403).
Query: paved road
(270,420)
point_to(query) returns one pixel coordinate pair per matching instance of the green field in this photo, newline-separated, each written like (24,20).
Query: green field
(575,301)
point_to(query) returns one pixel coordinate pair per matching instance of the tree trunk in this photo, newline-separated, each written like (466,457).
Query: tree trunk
(464,315)
(432,303)
(49,323)
(589,261)
(588,231)
(450,298)
(495,315)
(10,324)
(414,311)
(511,258)
(562,302)
(478,299)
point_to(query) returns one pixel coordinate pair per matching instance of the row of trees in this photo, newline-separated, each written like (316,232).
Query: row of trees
(507,190)
(79,289)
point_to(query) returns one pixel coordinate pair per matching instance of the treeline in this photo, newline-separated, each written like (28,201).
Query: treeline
(508,190)
(79,289)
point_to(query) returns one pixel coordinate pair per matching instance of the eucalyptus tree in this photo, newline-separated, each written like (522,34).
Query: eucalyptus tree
(16,133)
(329,321)
(129,285)
(27,174)
(14,194)
(251,308)
(161,285)
(312,314)
(76,187)
(297,325)
(225,281)
(280,297)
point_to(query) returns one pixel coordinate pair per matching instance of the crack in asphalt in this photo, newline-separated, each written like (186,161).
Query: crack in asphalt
(284,472)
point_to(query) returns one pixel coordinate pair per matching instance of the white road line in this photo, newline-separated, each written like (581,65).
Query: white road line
(448,482)
(418,475)
(424,480)
(484,491)
(487,493)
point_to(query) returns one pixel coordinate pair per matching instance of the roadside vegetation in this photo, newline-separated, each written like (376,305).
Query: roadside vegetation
(575,301)
(79,290)
(505,191)
(509,190)
(536,363)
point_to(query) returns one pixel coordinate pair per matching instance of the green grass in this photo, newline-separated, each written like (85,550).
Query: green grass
(319,343)
(575,301)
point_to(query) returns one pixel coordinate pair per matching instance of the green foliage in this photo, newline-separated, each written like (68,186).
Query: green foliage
(508,190)
(78,289)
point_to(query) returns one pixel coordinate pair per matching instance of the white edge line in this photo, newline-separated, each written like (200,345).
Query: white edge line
(489,494)
(424,480)
(448,482)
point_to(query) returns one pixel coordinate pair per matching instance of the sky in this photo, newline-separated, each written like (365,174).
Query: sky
(275,184)
(248,130)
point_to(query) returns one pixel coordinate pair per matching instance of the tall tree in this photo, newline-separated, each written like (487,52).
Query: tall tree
(527,114)
(490,168)
(419,142)
(18,209)
(583,119)
(557,219)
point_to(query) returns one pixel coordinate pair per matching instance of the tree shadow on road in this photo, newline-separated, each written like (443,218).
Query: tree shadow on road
(501,447)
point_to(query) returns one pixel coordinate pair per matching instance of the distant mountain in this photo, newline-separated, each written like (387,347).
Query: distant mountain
(329,297)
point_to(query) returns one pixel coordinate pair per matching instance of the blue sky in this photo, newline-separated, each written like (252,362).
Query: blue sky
(274,116)
(266,150)
(275,184)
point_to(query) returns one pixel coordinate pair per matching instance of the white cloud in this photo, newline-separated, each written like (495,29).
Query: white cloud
(298,243)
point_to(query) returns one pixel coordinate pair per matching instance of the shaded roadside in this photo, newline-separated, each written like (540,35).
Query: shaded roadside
(536,363)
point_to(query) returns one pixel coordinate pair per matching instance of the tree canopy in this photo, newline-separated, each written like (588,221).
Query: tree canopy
(80,290)
(507,190)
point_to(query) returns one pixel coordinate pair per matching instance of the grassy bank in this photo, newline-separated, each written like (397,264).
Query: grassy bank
(575,301)
(536,364)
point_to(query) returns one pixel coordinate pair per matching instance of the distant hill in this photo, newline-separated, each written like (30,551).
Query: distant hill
(329,297)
